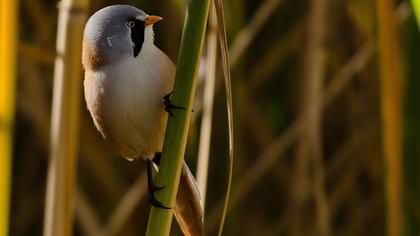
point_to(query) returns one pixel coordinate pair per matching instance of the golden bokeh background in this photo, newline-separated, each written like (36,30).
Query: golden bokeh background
(327,122)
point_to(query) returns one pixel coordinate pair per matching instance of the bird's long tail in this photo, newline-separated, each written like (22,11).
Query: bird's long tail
(187,209)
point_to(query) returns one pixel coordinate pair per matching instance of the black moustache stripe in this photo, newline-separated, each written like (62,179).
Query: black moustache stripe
(137,36)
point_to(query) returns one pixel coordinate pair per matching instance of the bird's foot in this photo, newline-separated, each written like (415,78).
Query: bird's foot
(169,106)
(156,203)
(153,188)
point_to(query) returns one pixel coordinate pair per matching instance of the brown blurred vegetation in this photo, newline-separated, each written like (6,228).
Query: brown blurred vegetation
(309,132)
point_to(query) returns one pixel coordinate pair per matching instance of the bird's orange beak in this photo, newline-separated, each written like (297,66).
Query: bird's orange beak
(150,20)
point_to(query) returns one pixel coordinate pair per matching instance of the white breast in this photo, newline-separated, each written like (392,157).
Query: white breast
(126,101)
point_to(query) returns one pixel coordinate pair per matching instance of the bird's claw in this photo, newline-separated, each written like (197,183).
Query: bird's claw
(152,189)
(169,105)
(156,203)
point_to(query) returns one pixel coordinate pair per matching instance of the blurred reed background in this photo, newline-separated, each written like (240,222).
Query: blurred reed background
(327,122)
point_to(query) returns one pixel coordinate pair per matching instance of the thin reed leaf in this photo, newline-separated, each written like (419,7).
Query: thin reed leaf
(224,51)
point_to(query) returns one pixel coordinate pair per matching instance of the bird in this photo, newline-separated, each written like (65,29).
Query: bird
(127,86)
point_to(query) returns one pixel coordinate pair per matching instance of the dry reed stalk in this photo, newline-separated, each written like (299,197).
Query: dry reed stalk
(8,44)
(309,150)
(391,80)
(61,177)
(207,110)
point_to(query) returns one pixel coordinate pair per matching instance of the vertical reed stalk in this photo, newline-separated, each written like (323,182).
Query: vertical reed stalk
(8,42)
(391,80)
(206,123)
(65,119)
(177,128)
(310,151)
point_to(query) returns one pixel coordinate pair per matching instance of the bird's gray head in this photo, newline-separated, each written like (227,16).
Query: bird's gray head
(114,32)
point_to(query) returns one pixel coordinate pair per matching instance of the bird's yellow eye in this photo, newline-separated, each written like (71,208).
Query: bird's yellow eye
(131,23)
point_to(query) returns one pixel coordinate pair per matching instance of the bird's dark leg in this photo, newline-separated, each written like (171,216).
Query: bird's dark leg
(169,105)
(157,157)
(153,188)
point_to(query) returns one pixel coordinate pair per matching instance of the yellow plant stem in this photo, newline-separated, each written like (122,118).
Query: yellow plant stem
(391,80)
(8,42)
